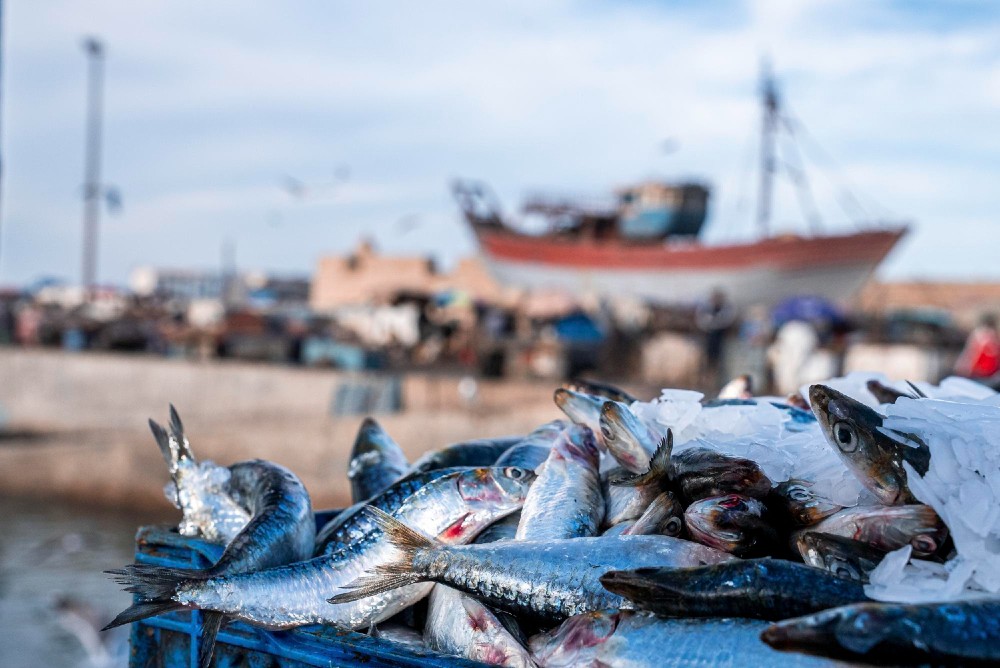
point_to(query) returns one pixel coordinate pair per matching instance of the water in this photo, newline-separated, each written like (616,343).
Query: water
(51,551)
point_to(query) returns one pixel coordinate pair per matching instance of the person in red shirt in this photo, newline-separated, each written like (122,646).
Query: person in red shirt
(980,359)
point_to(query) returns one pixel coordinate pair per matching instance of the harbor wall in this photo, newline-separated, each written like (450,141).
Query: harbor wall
(77,423)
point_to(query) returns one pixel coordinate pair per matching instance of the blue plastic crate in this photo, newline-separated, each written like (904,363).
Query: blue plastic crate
(171,640)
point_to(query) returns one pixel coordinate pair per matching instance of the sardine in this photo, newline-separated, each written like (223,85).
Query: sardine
(531,451)
(460,625)
(664,517)
(803,504)
(377,461)
(548,579)
(565,500)
(732,523)
(627,438)
(622,502)
(698,473)
(874,454)
(841,556)
(929,633)
(600,390)
(281,531)
(643,640)
(478,452)
(889,528)
(199,489)
(759,588)
(583,409)
(295,594)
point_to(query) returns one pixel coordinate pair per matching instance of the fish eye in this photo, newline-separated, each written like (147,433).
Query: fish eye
(847,439)
(607,433)
(800,494)
(845,569)
(924,544)
(514,473)
(673,527)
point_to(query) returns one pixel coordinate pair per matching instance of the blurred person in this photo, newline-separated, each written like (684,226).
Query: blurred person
(714,318)
(980,359)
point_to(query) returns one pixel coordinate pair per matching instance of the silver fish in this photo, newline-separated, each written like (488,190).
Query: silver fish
(377,461)
(565,501)
(803,504)
(732,523)
(199,489)
(583,409)
(458,624)
(841,556)
(627,438)
(548,579)
(889,528)
(600,390)
(664,516)
(532,451)
(640,640)
(295,594)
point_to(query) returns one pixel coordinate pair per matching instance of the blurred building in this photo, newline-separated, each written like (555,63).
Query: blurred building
(965,302)
(364,276)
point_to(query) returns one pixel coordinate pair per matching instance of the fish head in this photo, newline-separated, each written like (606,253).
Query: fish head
(854,430)
(579,444)
(917,525)
(581,408)
(841,556)
(804,504)
(576,641)
(856,628)
(494,488)
(732,523)
(625,437)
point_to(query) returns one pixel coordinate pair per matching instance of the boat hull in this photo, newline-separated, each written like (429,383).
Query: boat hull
(763,272)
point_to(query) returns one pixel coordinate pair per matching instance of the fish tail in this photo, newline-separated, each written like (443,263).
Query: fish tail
(659,467)
(211,622)
(143,610)
(154,583)
(394,574)
(163,441)
(177,427)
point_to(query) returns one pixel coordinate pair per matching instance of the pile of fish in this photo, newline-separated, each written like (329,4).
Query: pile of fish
(857,520)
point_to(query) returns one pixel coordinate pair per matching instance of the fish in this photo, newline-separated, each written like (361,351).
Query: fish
(477,452)
(626,438)
(281,531)
(597,389)
(459,625)
(583,409)
(770,589)
(200,490)
(503,529)
(625,502)
(295,594)
(699,473)
(803,504)
(664,516)
(565,500)
(929,633)
(732,523)
(874,454)
(841,556)
(353,524)
(607,638)
(531,451)
(545,580)
(377,461)
(883,393)
(889,528)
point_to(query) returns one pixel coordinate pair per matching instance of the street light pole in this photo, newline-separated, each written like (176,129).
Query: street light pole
(92,162)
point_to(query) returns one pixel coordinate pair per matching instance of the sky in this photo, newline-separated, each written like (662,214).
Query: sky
(292,129)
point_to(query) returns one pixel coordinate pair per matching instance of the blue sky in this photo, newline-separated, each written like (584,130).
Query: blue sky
(375,106)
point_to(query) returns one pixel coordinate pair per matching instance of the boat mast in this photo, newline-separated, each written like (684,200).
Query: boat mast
(769,94)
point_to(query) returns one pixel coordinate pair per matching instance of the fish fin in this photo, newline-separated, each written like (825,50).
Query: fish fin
(162,440)
(392,575)
(916,390)
(139,611)
(210,625)
(154,583)
(659,467)
(177,427)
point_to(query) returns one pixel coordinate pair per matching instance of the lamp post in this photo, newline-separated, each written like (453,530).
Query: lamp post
(92,162)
